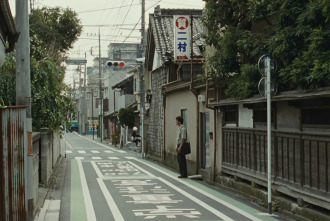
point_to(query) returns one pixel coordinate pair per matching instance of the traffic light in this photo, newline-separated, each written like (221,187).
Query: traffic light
(116,63)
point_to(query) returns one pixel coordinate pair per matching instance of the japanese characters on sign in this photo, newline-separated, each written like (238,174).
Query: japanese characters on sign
(182,37)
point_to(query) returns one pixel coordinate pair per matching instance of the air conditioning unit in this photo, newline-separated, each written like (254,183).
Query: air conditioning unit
(201,98)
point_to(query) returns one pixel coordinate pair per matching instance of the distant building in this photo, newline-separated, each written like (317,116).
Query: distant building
(110,76)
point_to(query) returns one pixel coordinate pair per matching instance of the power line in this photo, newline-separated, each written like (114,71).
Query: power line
(112,25)
(117,16)
(125,17)
(139,21)
(101,39)
(104,9)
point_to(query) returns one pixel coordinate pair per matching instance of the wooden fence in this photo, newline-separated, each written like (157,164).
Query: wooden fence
(300,161)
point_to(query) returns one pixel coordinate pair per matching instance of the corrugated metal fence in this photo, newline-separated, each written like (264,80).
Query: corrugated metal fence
(13,151)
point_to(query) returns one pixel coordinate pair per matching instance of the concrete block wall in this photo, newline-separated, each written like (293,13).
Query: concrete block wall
(50,152)
(46,155)
(46,152)
(56,147)
(36,145)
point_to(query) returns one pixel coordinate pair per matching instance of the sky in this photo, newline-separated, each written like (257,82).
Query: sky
(118,21)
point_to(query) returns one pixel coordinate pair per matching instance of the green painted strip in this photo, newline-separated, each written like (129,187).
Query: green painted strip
(77,206)
(217,194)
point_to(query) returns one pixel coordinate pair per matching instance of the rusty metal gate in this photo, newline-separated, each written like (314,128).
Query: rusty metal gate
(13,170)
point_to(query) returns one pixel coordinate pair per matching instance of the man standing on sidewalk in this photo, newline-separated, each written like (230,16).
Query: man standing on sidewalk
(181,136)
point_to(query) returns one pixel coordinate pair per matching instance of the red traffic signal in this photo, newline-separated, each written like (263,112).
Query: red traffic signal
(116,63)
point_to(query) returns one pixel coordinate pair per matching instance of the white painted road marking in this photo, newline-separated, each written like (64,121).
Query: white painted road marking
(81,151)
(113,158)
(97,170)
(194,199)
(69,145)
(101,144)
(79,158)
(230,206)
(96,158)
(95,151)
(108,151)
(87,196)
(111,203)
(68,151)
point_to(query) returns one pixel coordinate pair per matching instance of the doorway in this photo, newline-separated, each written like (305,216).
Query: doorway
(204,140)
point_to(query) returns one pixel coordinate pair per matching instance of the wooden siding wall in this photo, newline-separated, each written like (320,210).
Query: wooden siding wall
(299,160)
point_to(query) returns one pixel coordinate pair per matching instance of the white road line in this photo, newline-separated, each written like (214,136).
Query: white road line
(111,203)
(96,158)
(188,195)
(69,145)
(95,151)
(121,151)
(68,151)
(97,170)
(103,145)
(113,158)
(108,151)
(79,158)
(81,151)
(87,197)
(230,206)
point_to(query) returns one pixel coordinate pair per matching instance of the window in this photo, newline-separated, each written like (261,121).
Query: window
(315,117)
(260,116)
(116,57)
(230,114)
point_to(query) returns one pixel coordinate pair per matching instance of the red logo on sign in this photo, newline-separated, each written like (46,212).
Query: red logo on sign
(182,23)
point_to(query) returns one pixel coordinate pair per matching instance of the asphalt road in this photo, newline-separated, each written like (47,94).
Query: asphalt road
(106,183)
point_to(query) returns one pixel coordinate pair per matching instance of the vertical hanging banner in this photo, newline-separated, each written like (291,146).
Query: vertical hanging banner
(182,37)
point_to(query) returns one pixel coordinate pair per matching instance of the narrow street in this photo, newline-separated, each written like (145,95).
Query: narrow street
(107,183)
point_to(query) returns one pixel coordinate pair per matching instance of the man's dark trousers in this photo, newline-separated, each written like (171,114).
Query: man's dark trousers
(182,164)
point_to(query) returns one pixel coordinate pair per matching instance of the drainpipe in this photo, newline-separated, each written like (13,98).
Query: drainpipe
(215,129)
(178,71)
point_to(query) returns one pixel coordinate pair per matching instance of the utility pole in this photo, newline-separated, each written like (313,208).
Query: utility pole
(101,94)
(114,110)
(269,134)
(93,112)
(23,95)
(142,87)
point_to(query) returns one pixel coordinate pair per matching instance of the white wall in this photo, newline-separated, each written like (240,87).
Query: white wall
(245,117)
(174,104)
(157,61)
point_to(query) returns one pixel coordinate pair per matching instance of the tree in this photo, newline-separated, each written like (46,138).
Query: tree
(56,29)
(50,102)
(126,117)
(295,33)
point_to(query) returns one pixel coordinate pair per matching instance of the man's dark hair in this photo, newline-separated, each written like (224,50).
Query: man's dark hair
(179,118)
